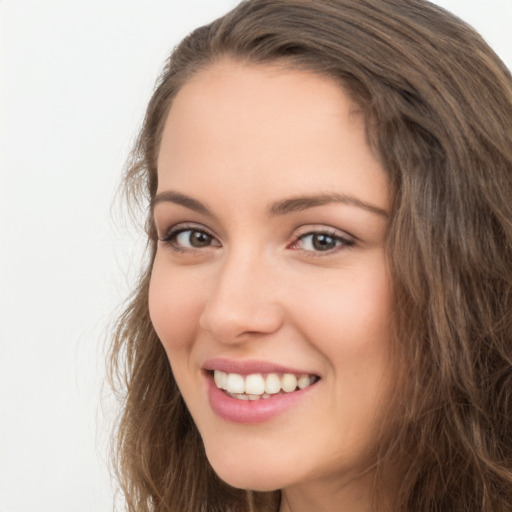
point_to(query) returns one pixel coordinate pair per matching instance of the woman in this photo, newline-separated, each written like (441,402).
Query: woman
(324,322)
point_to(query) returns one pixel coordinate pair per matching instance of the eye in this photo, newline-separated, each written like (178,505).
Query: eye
(321,241)
(183,239)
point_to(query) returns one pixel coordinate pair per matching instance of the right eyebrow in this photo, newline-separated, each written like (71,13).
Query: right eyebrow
(170,196)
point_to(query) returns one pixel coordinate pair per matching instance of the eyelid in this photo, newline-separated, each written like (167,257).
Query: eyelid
(347,240)
(184,226)
(172,234)
(323,228)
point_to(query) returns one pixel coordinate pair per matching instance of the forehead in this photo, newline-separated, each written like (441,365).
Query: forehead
(227,92)
(262,124)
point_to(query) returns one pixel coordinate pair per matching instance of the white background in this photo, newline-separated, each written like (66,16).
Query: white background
(75,79)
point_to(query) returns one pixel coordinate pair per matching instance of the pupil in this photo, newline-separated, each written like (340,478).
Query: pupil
(198,239)
(323,242)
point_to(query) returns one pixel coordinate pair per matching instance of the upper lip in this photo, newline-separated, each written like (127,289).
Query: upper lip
(247,367)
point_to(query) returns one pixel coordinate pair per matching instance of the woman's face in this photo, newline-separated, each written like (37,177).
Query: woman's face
(270,277)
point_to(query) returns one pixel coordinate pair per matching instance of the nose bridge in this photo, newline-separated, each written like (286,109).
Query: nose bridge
(243,299)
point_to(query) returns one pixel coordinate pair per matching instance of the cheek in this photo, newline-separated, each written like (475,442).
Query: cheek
(349,320)
(174,307)
(353,333)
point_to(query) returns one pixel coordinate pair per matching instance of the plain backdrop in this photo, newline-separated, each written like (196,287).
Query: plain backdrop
(75,79)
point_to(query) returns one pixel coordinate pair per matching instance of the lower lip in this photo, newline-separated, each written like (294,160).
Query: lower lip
(251,411)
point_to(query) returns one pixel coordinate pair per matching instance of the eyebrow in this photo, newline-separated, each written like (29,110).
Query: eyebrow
(300,203)
(171,196)
(282,207)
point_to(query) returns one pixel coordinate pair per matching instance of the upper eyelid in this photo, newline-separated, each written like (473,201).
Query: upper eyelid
(327,233)
(298,232)
(171,238)
(185,226)
(330,230)
(346,240)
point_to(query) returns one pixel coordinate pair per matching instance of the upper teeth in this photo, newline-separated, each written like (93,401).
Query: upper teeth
(257,384)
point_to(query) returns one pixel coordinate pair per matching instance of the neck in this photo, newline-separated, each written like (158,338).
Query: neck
(354,495)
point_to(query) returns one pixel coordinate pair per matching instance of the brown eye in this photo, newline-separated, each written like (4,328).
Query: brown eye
(193,238)
(321,242)
(190,239)
(199,239)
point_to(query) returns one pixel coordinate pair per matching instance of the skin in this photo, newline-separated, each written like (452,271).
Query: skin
(239,138)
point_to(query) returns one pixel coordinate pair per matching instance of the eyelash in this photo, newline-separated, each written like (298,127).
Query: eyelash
(170,238)
(340,241)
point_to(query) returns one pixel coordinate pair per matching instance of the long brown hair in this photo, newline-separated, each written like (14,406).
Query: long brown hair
(438,108)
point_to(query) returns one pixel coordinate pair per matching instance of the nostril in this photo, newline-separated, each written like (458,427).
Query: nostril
(237,321)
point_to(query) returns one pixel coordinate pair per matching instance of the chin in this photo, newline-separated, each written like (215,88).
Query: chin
(244,473)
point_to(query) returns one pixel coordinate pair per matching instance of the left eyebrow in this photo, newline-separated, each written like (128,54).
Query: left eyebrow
(300,203)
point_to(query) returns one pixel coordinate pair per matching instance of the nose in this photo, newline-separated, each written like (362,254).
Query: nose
(243,302)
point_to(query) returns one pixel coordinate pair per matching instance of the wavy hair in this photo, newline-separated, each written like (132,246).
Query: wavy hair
(437,103)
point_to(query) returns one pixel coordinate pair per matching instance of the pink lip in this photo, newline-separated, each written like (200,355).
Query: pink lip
(249,366)
(250,411)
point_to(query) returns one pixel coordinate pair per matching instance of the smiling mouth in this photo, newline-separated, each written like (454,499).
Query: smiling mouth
(258,386)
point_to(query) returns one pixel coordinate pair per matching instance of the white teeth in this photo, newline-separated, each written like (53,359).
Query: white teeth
(235,383)
(288,382)
(304,381)
(221,379)
(272,384)
(256,386)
